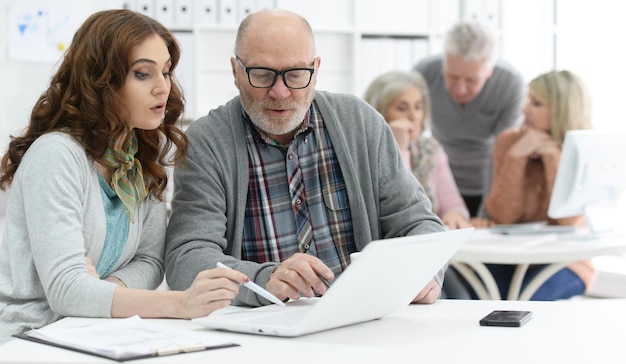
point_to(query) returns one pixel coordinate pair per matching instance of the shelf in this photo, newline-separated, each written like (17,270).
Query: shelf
(394,36)
(357,40)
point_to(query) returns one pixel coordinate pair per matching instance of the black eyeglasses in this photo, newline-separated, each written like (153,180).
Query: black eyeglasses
(261,77)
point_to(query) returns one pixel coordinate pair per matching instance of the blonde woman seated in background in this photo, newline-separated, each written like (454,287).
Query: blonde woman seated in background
(525,165)
(403,100)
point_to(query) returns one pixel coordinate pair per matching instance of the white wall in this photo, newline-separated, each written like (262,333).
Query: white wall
(589,43)
(23,82)
(527,35)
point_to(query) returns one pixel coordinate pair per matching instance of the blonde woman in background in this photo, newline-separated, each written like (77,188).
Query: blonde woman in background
(403,100)
(526,160)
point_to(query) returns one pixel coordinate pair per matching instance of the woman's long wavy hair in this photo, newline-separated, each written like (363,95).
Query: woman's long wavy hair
(84,99)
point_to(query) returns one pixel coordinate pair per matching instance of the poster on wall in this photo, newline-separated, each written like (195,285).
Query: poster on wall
(41,31)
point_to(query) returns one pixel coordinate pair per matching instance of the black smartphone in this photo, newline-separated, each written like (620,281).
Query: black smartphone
(506,318)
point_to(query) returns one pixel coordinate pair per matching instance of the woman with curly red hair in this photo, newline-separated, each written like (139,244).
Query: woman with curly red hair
(86,216)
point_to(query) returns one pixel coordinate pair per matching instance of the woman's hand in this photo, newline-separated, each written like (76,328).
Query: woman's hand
(91,268)
(404,131)
(211,290)
(479,222)
(533,144)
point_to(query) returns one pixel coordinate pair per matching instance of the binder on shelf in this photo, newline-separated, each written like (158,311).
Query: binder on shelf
(129,5)
(228,15)
(206,11)
(127,339)
(265,4)
(145,7)
(247,7)
(164,12)
(183,13)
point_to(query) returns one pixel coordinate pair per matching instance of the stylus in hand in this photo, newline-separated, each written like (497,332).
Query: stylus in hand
(256,288)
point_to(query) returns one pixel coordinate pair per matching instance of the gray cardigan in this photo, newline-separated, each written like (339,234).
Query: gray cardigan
(210,192)
(55,217)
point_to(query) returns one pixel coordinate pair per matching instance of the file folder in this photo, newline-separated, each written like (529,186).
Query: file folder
(164,12)
(265,4)
(183,13)
(130,5)
(127,339)
(145,7)
(247,7)
(206,12)
(228,13)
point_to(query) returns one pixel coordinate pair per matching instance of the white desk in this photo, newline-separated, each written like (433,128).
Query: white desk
(575,331)
(523,250)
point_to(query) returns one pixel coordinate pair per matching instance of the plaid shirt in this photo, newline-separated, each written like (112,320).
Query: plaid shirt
(297,198)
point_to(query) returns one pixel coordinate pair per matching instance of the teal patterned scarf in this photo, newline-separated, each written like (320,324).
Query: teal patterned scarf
(127,180)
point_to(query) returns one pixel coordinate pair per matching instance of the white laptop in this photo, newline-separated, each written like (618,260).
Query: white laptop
(384,279)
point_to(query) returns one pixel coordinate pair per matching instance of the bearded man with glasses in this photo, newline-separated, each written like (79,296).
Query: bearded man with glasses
(283,182)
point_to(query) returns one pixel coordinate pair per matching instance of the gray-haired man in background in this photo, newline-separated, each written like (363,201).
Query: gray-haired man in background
(474,97)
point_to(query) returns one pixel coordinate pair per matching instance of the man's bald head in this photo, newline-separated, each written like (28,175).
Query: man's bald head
(273,27)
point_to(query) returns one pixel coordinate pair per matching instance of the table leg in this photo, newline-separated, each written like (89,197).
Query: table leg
(485,286)
(539,279)
(516,282)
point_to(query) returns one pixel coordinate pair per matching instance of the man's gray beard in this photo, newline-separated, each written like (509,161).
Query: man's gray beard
(271,126)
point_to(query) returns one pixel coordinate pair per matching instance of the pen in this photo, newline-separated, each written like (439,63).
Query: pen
(256,288)
(326,283)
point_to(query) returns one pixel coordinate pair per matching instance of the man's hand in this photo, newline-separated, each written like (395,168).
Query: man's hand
(299,276)
(455,220)
(428,294)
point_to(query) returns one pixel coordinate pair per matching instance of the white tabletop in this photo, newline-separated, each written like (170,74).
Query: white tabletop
(576,331)
(555,250)
(487,247)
